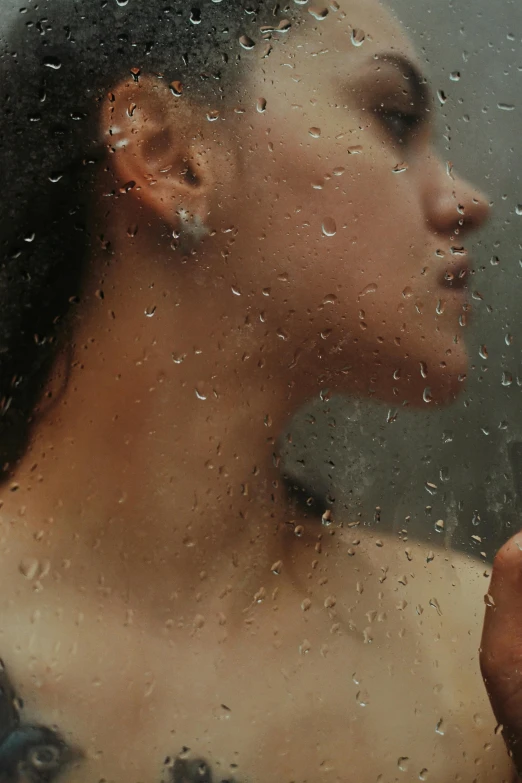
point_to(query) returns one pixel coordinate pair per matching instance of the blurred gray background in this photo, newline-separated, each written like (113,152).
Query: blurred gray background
(461,465)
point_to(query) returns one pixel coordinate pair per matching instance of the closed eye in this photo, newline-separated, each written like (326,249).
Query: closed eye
(403,109)
(400,125)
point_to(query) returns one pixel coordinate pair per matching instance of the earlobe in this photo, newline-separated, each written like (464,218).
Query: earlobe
(151,144)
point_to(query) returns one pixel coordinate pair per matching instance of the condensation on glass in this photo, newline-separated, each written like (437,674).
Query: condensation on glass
(259,423)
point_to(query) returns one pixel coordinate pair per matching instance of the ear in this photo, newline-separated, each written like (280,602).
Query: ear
(157,156)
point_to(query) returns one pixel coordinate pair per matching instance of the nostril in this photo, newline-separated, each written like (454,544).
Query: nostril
(476,213)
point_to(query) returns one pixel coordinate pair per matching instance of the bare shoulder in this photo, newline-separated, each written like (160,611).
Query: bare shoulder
(404,622)
(452,584)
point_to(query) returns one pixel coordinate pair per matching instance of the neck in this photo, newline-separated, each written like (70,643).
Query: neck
(139,486)
(159,464)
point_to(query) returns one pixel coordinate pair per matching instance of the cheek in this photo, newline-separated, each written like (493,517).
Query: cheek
(359,236)
(340,222)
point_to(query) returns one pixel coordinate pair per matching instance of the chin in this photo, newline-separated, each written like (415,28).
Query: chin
(394,376)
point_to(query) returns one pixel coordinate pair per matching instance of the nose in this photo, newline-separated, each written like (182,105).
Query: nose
(453,205)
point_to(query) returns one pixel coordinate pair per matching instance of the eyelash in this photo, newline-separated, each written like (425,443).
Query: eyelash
(390,119)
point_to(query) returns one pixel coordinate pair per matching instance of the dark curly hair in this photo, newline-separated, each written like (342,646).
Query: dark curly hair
(60,58)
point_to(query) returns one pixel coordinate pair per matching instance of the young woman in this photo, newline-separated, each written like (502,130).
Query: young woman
(210,215)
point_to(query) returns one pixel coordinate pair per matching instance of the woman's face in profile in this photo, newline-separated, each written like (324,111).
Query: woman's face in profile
(335,257)
(351,229)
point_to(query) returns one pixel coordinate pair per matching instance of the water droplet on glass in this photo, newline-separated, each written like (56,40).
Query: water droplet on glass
(260,596)
(314,132)
(212,115)
(52,62)
(506,106)
(455,76)
(178,358)
(355,149)
(483,352)
(318,13)
(149,311)
(122,3)
(28,567)
(246,42)
(338,171)
(426,394)
(402,763)
(362,698)
(276,567)
(439,526)
(433,602)
(423,774)
(283,26)
(507,379)
(195,16)
(357,37)
(441,95)
(439,728)
(261,105)
(518,209)
(329,299)
(305,647)
(306,604)
(328,227)
(399,168)
(176,88)
(370,289)
(326,518)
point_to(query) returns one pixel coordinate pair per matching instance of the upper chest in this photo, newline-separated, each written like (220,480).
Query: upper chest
(373,674)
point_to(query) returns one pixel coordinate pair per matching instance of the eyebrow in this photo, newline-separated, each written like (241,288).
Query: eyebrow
(420,91)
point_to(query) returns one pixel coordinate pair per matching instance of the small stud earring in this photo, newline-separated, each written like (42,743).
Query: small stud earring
(192,229)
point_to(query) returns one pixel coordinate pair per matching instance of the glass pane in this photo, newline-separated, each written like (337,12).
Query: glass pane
(258,351)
